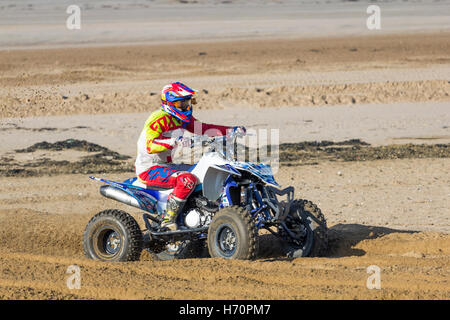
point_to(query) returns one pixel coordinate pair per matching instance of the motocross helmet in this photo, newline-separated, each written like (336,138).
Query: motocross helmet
(177,99)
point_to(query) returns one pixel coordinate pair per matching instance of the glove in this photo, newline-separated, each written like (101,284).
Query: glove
(183,141)
(239,131)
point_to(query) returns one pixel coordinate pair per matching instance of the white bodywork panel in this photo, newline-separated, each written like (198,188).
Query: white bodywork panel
(210,173)
(208,159)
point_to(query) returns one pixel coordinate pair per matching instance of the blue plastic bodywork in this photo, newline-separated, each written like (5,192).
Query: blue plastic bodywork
(262,171)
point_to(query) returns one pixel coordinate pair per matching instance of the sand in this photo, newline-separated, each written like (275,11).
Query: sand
(392,214)
(233,74)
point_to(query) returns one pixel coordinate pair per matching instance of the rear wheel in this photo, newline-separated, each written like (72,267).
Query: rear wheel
(308,233)
(233,235)
(112,235)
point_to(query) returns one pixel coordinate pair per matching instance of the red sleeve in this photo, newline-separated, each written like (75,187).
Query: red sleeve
(212,130)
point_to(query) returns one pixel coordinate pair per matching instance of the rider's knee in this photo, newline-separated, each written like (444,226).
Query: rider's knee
(187,180)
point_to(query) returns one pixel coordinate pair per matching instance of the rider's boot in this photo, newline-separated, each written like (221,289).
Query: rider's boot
(174,207)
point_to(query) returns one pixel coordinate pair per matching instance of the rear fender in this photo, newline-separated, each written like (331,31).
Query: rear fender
(146,201)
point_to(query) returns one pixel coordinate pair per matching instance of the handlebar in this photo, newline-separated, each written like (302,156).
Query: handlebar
(206,140)
(217,143)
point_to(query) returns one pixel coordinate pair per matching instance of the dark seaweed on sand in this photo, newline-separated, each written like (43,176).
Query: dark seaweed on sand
(104,160)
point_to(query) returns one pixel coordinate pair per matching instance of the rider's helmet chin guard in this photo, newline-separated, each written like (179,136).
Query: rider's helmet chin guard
(177,100)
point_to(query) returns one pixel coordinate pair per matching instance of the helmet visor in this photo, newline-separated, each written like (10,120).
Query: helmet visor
(183,105)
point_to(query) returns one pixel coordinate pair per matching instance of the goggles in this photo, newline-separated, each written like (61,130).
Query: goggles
(184,105)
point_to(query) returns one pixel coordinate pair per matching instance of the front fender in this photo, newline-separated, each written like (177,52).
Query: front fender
(214,181)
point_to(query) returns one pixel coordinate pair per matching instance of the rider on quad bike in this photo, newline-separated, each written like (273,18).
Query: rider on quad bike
(162,131)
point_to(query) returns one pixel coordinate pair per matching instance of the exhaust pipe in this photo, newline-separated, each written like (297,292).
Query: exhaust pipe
(119,195)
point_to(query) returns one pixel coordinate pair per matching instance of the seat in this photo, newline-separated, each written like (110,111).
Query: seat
(137,183)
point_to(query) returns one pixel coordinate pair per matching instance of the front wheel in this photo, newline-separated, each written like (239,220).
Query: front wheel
(233,235)
(112,235)
(308,233)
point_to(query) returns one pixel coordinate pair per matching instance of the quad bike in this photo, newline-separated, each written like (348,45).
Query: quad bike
(233,201)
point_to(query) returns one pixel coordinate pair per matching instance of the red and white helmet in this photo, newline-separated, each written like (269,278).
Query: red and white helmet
(177,99)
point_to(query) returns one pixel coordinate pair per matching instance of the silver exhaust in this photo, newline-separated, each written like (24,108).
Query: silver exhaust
(119,195)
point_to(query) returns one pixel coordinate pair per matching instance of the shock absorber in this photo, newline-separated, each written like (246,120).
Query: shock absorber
(243,198)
